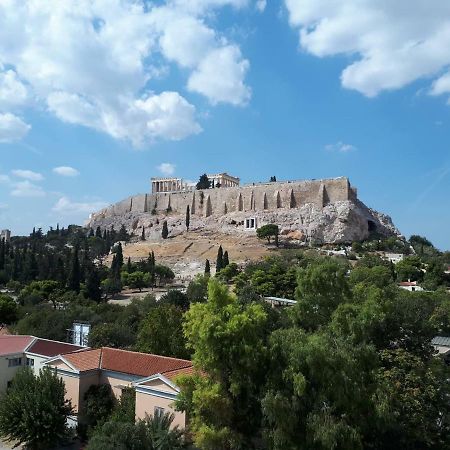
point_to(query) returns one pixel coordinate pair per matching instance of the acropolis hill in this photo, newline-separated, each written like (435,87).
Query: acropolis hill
(312,211)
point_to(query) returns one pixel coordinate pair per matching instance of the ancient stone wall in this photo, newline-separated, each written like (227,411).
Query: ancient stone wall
(252,197)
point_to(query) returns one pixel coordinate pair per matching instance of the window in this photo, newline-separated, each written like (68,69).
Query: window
(14,362)
(30,362)
(158,412)
(250,224)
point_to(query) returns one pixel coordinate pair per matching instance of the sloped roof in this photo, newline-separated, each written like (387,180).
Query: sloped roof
(443,341)
(132,363)
(174,373)
(84,360)
(14,344)
(49,348)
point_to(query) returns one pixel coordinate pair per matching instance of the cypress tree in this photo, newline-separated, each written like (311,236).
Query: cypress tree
(165,230)
(74,278)
(93,290)
(226,261)
(119,256)
(98,232)
(143,234)
(188,217)
(91,232)
(207,267)
(219,260)
(129,266)
(2,253)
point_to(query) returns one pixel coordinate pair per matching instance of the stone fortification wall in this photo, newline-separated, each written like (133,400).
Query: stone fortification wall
(222,201)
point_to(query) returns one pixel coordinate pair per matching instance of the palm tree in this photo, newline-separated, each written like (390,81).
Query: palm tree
(161,435)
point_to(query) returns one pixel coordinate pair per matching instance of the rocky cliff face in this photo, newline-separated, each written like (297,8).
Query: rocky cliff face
(338,222)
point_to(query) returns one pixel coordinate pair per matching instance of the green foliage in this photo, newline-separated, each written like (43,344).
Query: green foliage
(321,287)
(39,291)
(161,332)
(197,290)
(176,298)
(229,346)
(268,232)
(219,260)
(9,309)
(203,182)
(409,269)
(165,230)
(188,217)
(207,267)
(33,410)
(116,335)
(153,433)
(228,272)
(98,404)
(136,280)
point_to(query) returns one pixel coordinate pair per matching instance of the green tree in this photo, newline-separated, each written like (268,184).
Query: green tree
(219,260)
(93,284)
(207,267)
(33,411)
(143,234)
(321,287)
(153,433)
(176,298)
(137,280)
(74,278)
(226,259)
(188,217)
(229,344)
(268,232)
(99,403)
(8,310)
(409,269)
(161,332)
(114,335)
(165,230)
(197,290)
(203,182)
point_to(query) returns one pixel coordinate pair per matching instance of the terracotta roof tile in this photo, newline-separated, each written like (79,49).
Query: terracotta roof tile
(51,348)
(174,373)
(140,364)
(132,363)
(84,360)
(14,344)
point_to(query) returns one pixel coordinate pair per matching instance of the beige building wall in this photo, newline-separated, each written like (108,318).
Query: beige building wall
(7,373)
(116,382)
(146,403)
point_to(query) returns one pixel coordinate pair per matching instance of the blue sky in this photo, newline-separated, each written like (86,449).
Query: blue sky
(116,92)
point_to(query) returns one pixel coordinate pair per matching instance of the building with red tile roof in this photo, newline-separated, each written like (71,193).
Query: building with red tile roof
(152,377)
(18,350)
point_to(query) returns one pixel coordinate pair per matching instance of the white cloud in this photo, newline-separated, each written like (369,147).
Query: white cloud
(65,206)
(166,169)
(96,61)
(12,91)
(28,174)
(66,171)
(340,147)
(261,5)
(220,76)
(27,189)
(12,128)
(391,43)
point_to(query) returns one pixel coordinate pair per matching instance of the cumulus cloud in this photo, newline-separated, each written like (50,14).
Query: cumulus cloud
(391,43)
(166,169)
(27,189)
(12,91)
(65,206)
(12,128)
(340,147)
(95,63)
(66,171)
(28,174)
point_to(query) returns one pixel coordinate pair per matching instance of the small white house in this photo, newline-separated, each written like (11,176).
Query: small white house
(410,286)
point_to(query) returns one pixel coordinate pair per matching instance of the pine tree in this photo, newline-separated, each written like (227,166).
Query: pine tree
(219,260)
(165,230)
(207,267)
(74,278)
(188,217)
(91,232)
(2,253)
(98,232)
(119,256)
(226,261)
(143,234)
